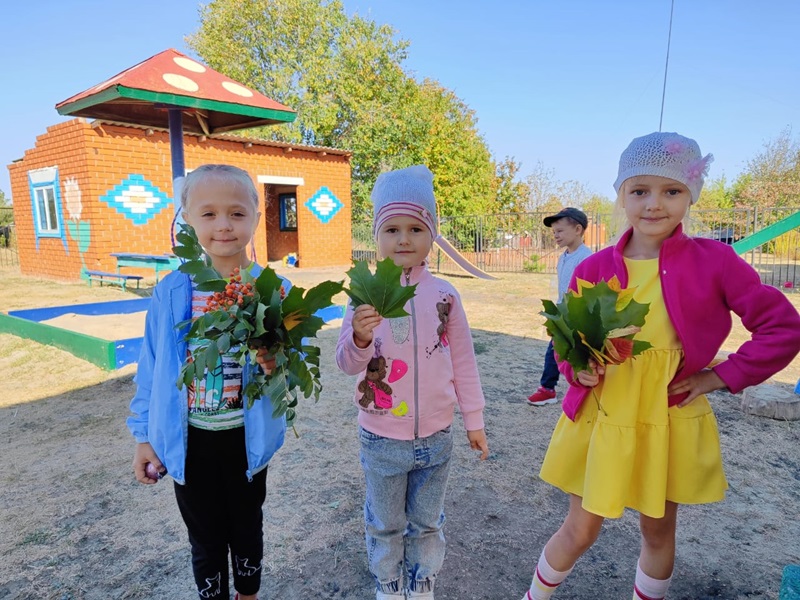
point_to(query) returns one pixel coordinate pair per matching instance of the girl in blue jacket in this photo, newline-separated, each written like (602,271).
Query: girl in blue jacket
(214,446)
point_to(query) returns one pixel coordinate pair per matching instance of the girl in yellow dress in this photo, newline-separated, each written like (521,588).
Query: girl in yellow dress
(649,439)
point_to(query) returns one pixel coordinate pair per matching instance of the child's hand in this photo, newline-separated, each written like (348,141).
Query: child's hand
(266,360)
(477,441)
(701,382)
(144,454)
(365,319)
(591,377)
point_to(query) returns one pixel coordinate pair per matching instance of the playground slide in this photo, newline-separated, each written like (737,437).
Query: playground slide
(460,260)
(768,233)
(762,237)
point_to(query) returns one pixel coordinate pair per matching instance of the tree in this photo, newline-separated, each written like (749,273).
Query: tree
(543,188)
(6,214)
(455,152)
(511,195)
(771,178)
(345,78)
(716,195)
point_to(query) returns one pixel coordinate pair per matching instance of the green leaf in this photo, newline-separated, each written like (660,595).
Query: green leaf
(192,267)
(593,314)
(184,252)
(383,290)
(212,357)
(268,282)
(214,285)
(318,297)
(224,343)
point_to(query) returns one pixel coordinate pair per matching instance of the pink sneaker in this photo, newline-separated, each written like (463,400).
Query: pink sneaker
(542,397)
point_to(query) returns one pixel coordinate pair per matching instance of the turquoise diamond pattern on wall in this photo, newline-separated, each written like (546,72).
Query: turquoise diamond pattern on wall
(324,204)
(137,199)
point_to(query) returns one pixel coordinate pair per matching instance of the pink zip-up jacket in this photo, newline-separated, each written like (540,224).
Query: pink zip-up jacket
(417,368)
(702,281)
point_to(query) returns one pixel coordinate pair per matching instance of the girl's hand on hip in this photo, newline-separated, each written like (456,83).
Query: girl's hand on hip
(477,441)
(591,377)
(700,383)
(365,319)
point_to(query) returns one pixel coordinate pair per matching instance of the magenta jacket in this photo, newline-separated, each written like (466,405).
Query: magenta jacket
(702,281)
(417,368)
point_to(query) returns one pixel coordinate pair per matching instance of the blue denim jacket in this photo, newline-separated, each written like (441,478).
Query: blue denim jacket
(160,409)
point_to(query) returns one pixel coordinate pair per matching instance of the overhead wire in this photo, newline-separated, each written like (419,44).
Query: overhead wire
(666,65)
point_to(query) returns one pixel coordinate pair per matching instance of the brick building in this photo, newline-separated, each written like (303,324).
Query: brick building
(87,190)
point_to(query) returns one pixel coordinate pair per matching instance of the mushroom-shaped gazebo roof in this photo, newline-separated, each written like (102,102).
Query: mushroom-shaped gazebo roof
(143,94)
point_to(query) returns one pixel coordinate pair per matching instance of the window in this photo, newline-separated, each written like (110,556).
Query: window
(288,207)
(46,220)
(46,201)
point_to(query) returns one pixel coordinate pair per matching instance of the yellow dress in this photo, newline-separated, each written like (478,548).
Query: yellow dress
(626,447)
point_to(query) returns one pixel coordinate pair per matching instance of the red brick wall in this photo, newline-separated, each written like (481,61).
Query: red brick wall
(101,158)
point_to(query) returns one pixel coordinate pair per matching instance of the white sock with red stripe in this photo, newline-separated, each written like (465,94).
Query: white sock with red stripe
(647,588)
(545,580)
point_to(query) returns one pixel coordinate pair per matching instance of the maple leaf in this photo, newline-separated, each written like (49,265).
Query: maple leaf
(383,290)
(597,322)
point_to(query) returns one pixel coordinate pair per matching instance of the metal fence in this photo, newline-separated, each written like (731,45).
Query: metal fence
(518,243)
(9,255)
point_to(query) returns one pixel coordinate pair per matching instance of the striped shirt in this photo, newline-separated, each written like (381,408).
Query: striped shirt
(215,399)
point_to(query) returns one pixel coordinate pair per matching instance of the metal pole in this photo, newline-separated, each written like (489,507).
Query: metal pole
(176,149)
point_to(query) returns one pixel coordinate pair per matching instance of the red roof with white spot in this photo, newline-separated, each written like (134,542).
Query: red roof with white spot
(140,94)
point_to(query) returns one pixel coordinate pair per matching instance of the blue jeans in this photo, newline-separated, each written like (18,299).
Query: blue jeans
(404,510)
(550,372)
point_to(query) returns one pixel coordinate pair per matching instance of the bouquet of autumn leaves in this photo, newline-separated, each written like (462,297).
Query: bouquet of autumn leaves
(247,313)
(598,322)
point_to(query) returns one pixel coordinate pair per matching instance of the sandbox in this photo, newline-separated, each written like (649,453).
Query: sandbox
(80,329)
(107,334)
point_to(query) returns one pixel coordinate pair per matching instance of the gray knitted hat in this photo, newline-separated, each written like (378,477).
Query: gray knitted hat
(407,192)
(667,155)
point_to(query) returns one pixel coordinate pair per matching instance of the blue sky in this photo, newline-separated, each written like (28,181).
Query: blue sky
(565,83)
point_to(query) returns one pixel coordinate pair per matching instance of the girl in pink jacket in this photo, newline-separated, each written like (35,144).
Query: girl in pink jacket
(650,442)
(412,372)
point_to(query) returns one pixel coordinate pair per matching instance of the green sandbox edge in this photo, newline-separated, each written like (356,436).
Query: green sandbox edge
(95,350)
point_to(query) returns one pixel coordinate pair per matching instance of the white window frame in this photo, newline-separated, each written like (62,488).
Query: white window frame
(42,180)
(53,224)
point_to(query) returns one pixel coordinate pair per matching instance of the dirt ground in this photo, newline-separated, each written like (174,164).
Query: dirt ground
(75,524)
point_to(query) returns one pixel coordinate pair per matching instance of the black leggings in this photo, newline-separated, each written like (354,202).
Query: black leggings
(222,510)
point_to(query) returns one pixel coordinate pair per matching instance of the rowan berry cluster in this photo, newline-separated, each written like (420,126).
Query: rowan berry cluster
(236,293)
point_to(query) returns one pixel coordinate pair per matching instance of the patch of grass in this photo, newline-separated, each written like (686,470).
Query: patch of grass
(480,347)
(39,537)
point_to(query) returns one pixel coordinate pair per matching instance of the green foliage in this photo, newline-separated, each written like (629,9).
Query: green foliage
(511,195)
(6,210)
(716,195)
(772,177)
(382,290)
(582,324)
(246,314)
(533,264)
(345,78)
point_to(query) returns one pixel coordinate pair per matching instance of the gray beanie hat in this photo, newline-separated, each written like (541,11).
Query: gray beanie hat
(667,155)
(407,192)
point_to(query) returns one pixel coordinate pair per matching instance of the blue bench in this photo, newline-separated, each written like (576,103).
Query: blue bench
(113,278)
(157,262)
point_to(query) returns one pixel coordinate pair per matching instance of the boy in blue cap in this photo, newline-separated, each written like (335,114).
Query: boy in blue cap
(568,227)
